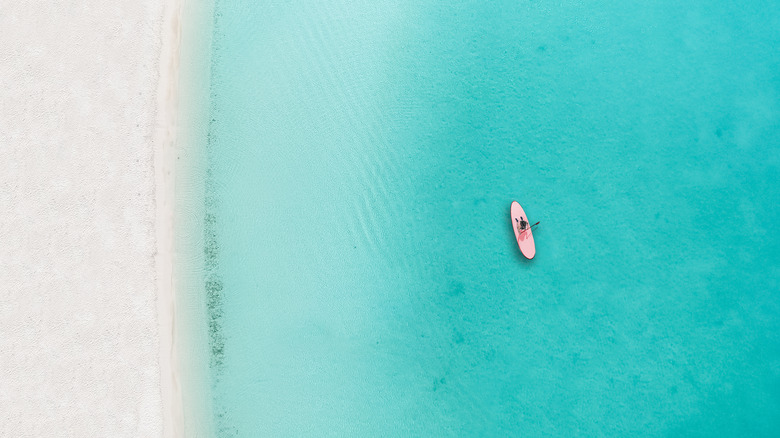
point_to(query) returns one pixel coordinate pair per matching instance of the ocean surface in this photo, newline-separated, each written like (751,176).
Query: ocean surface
(362,277)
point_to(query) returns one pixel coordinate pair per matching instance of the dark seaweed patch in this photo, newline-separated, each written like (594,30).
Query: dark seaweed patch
(213,282)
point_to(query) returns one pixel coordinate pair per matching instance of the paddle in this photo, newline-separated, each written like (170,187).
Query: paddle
(531,227)
(528,227)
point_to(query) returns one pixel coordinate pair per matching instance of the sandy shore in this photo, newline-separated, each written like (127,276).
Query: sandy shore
(86,304)
(165,167)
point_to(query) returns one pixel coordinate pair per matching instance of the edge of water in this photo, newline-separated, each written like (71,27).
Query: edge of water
(190,58)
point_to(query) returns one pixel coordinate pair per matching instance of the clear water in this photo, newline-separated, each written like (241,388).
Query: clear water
(363,278)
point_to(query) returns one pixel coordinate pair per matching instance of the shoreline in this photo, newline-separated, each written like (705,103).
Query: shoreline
(164,165)
(180,144)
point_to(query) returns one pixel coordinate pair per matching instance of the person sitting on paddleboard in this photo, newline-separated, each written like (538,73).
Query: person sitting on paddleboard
(521,224)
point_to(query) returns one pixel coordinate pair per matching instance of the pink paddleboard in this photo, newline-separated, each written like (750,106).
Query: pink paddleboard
(525,240)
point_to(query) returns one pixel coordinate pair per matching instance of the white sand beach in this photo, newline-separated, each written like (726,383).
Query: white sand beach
(87,103)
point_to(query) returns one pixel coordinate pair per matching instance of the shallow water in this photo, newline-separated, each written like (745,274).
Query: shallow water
(363,278)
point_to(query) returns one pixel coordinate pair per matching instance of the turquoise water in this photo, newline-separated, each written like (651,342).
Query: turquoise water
(363,278)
